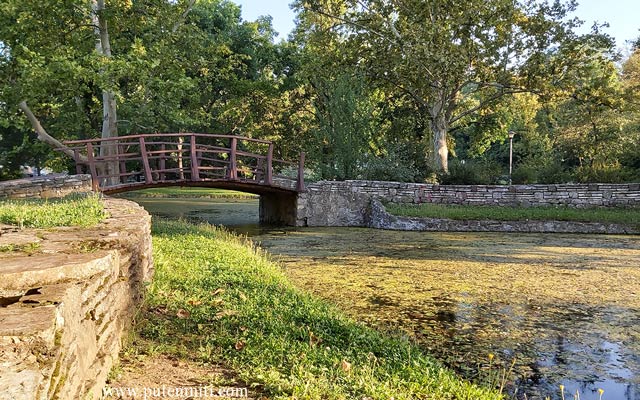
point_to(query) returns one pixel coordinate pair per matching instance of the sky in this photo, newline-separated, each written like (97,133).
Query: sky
(622,15)
(282,15)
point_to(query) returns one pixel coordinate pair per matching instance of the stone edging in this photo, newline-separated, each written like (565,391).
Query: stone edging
(65,307)
(379,218)
(45,187)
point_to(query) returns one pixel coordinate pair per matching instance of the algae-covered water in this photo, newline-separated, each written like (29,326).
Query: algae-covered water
(531,311)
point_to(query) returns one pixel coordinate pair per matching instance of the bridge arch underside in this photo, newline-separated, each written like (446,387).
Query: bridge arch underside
(278,206)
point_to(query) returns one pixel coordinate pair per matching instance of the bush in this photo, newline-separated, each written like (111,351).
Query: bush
(398,166)
(470,173)
(524,175)
(605,174)
(534,171)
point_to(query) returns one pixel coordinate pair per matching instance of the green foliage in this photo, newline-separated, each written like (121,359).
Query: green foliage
(72,210)
(367,89)
(471,54)
(397,164)
(216,298)
(208,71)
(346,124)
(19,149)
(540,170)
(605,215)
(606,174)
(471,172)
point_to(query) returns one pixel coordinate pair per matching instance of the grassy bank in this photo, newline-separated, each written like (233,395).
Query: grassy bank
(189,192)
(73,210)
(216,298)
(459,212)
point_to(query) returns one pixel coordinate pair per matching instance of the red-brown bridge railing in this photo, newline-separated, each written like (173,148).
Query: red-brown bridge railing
(129,162)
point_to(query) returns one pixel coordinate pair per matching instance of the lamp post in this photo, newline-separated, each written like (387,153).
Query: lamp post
(511,135)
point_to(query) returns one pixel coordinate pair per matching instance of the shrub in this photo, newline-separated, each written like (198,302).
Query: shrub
(397,165)
(534,171)
(605,174)
(471,173)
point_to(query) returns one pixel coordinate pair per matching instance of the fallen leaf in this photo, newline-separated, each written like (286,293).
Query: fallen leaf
(346,366)
(225,313)
(217,292)
(217,302)
(183,314)
(313,339)
(240,345)
(194,302)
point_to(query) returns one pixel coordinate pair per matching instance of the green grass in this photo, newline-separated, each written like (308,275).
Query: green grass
(216,298)
(29,248)
(610,215)
(74,210)
(189,192)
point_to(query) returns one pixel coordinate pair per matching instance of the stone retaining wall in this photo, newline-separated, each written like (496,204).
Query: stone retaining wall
(45,187)
(573,195)
(330,203)
(378,217)
(67,296)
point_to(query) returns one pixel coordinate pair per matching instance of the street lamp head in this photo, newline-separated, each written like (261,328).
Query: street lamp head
(511,134)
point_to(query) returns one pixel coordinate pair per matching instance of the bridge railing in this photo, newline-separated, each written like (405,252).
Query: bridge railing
(136,160)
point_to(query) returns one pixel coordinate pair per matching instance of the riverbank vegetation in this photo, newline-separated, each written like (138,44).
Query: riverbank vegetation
(467,212)
(189,192)
(216,298)
(365,88)
(74,210)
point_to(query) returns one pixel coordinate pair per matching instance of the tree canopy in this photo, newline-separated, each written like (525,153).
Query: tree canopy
(407,90)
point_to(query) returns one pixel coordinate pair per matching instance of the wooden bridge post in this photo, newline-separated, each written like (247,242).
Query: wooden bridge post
(145,161)
(300,182)
(268,179)
(259,170)
(95,185)
(233,167)
(180,163)
(162,164)
(195,172)
(123,165)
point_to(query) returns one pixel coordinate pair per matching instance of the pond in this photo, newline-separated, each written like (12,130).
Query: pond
(528,311)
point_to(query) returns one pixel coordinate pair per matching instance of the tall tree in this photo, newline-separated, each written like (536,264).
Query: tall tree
(454,58)
(90,68)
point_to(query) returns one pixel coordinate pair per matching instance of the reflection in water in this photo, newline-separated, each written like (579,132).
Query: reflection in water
(564,307)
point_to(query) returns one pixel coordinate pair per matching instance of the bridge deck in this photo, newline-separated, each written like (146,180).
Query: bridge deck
(135,162)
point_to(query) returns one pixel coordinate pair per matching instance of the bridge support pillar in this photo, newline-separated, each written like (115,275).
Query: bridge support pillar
(278,208)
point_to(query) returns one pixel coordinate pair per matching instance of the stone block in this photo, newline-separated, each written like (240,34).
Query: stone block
(63,301)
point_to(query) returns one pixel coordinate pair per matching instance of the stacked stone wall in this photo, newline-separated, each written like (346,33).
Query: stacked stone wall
(44,187)
(348,203)
(571,195)
(67,298)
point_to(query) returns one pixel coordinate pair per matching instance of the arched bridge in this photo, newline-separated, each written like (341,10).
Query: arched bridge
(126,163)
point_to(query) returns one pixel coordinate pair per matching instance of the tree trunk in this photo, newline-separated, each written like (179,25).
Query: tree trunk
(439,128)
(109,114)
